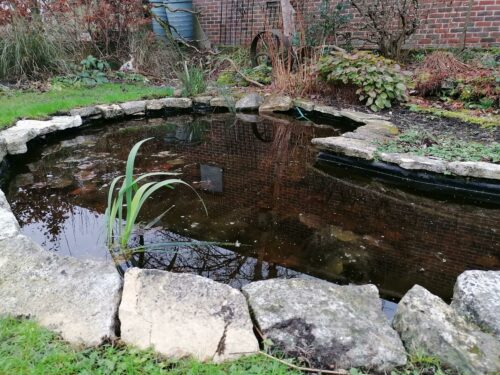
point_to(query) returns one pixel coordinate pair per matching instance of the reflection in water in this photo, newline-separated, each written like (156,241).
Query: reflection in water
(262,190)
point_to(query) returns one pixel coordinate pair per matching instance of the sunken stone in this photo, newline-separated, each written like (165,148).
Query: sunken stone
(332,326)
(347,146)
(477,169)
(276,103)
(77,299)
(426,323)
(134,107)
(476,296)
(182,315)
(249,102)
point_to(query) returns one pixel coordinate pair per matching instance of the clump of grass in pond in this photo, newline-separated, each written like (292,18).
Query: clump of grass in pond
(124,206)
(421,143)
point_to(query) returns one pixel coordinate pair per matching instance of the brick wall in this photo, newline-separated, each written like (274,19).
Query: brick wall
(235,22)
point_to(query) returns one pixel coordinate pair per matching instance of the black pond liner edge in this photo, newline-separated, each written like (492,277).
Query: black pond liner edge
(468,188)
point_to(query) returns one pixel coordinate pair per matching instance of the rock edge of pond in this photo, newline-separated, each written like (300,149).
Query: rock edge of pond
(332,326)
(180,315)
(360,143)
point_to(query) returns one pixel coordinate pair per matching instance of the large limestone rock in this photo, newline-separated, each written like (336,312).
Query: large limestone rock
(174,103)
(9,226)
(182,315)
(415,162)
(110,111)
(426,323)
(77,299)
(249,102)
(17,136)
(333,326)
(134,108)
(477,169)
(276,103)
(347,146)
(477,297)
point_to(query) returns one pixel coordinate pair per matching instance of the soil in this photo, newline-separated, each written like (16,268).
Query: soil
(405,119)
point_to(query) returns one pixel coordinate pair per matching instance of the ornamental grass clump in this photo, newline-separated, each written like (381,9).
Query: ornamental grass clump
(379,81)
(124,207)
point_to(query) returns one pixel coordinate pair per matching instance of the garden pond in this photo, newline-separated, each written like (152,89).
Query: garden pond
(284,214)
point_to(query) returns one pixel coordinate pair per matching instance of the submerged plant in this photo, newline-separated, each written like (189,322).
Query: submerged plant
(124,207)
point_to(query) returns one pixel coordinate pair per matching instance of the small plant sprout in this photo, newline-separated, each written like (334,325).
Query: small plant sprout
(125,204)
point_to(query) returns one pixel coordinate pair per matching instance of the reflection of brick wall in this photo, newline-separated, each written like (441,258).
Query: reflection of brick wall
(443,21)
(408,239)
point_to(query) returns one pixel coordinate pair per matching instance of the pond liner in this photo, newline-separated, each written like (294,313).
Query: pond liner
(466,188)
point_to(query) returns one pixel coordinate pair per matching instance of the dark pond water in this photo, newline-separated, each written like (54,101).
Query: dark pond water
(263,191)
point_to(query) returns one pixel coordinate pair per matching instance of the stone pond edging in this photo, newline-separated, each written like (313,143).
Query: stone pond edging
(88,303)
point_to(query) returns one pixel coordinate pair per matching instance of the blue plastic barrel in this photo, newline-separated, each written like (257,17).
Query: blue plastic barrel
(158,10)
(182,21)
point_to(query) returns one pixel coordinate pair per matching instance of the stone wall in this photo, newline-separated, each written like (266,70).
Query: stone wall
(443,21)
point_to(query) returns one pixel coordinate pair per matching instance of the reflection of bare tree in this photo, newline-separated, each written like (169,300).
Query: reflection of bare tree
(39,206)
(211,261)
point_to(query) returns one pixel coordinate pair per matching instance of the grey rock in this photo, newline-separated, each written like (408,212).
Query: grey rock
(223,102)
(327,110)
(158,104)
(304,104)
(276,103)
(332,326)
(182,315)
(86,112)
(347,146)
(17,136)
(426,323)
(408,161)
(76,298)
(110,111)
(249,102)
(9,227)
(202,100)
(134,107)
(476,296)
(475,169)
(361,116)
(3,149)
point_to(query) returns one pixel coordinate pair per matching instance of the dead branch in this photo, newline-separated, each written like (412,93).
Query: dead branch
(235,67)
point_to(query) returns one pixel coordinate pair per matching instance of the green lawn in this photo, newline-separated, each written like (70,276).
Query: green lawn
(15,105)
(25,348)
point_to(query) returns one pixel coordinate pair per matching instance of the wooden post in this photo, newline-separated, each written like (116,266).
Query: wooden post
(288,15)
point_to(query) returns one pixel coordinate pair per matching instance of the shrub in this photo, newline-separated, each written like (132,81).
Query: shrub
(28,51)
(93,72)
(326,22)
(379,80)
(389,23)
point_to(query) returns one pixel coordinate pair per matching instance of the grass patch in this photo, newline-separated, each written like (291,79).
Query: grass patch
(35,105)
(423,144)
(462,115)
(25,348)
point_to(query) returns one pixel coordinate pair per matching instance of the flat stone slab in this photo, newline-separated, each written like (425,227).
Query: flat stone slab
(327,110)
(476,296)
(17,136)
(110,111)
(85,112)
(134,107)
(306,105)
(249,102)
(475,169)
(9,227)
(175,103)
(427,324)
(223,102)
(347,146)
(332,326)
(182,315)
(415,162)
(276,103)
(77,299)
